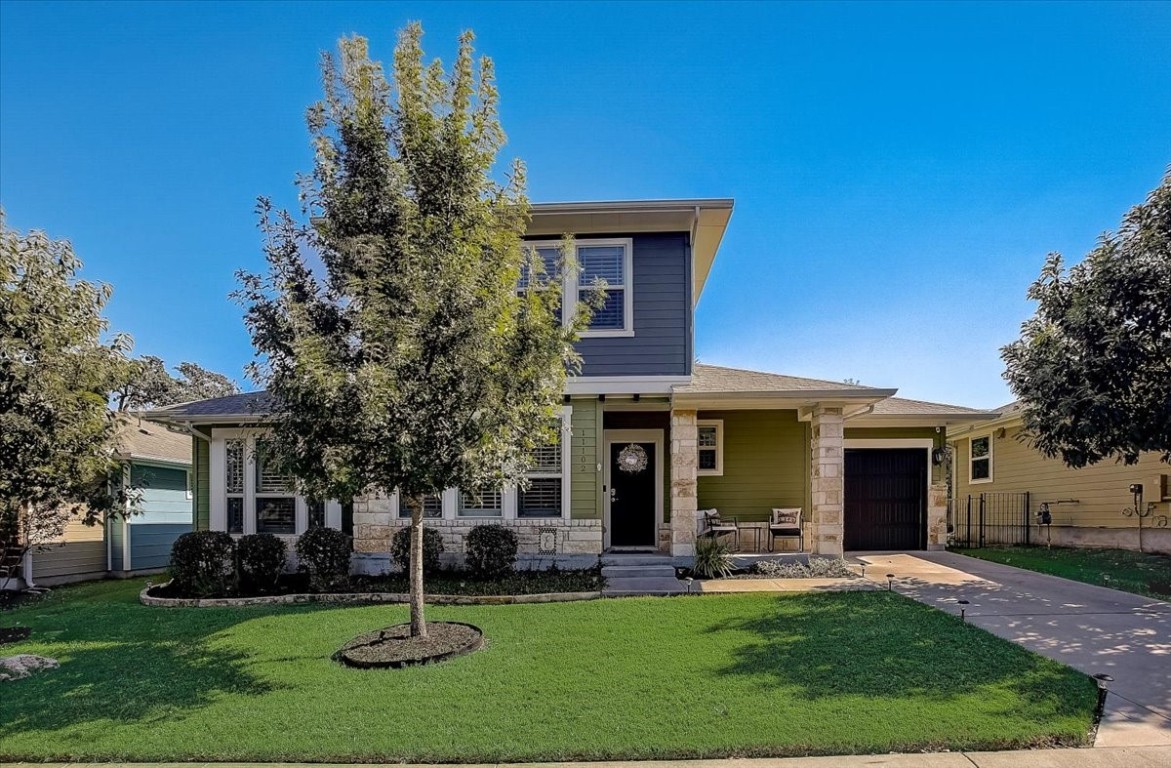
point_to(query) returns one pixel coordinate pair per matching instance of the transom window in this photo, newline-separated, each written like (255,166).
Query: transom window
(980,462)
(710,440)
(606,262)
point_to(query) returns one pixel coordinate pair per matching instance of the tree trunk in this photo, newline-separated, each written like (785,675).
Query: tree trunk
(418,622)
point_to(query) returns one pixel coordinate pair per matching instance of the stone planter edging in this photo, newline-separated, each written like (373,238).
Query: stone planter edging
(358,598)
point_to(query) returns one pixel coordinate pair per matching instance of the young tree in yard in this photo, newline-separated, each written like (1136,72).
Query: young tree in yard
(1093,366)
(56,431)
(413,362)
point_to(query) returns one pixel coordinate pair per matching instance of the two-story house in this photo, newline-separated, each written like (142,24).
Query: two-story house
(649,437)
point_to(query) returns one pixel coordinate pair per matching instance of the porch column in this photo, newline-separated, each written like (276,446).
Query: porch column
(372,534)
(828,481)
(684,487)
(937,516)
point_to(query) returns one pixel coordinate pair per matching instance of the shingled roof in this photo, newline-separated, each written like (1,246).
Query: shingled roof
(716,379)
(897,406)
(141,439)
(706,380)
(246,404)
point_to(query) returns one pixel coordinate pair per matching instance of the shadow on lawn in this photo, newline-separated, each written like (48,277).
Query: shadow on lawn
(873,644)
(124,662)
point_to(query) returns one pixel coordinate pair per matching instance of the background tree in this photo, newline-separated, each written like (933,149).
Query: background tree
(1093,365)
(413,363)
(57,433)
(149,385)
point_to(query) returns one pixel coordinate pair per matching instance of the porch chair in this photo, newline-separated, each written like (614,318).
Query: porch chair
(716,526)
(785,523)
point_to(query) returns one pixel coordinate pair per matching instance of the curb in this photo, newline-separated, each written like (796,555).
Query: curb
(358,598)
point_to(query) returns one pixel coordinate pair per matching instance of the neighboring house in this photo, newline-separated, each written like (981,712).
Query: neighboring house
(865,467)
(155,460)
(1000,479)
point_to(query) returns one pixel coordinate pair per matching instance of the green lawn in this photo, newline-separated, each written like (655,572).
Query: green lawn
(630,678)
(1142,574)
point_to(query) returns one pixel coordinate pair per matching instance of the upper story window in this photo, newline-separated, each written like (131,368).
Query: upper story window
(610,263)
(607,260)
(980,460)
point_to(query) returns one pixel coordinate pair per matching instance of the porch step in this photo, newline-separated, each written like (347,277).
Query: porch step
(612,572)
(656,577)
(636,559)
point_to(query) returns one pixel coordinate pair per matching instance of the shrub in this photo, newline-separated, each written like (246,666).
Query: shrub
(713,558)
(400,549)
(324,553)
(260,561)
(491,550)
(203,563)
(818,568)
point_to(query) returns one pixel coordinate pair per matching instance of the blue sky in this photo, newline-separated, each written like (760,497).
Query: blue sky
(900,171)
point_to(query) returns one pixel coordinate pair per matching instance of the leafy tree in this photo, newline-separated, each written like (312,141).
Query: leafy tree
(198,383)
(1093,365)
(414,362)
(147,384)
(150,385)
(57,434)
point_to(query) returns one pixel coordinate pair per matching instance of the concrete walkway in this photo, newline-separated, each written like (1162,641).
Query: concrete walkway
(1093,629)
(1117,757)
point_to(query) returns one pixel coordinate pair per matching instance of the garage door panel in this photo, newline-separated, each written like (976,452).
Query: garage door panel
(885,499)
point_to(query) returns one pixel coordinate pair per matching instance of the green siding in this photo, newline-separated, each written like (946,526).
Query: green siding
(896,433)
(201,458)
(765,464)
(583,461)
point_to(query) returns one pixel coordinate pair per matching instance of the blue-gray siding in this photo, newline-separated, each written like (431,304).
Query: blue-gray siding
(661,345)
(150,544)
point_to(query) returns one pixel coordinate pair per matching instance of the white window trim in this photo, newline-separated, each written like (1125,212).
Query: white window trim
(218,501)
(719,426)
(980,481)
(570,285)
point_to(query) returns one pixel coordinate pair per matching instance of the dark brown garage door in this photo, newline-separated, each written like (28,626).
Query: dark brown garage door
(886,499)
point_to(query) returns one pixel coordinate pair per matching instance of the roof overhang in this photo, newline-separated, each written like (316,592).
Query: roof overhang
(994,420)
(705,220)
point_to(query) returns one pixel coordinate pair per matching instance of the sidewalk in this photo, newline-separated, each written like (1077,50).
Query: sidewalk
(1110,757)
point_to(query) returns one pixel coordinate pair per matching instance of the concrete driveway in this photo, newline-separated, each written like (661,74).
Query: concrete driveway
(1093,629)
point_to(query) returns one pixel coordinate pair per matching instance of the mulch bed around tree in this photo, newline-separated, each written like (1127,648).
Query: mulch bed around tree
(14,634)
(394,647)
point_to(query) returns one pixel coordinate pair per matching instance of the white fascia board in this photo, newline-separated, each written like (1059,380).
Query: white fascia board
(624,385)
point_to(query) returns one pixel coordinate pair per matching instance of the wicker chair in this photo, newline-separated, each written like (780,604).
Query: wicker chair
(785,523)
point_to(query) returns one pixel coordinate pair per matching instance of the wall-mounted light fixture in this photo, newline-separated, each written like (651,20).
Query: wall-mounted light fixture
(937,456)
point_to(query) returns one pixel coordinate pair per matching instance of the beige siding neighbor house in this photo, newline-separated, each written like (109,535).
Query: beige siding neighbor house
(995,469)
(157,461)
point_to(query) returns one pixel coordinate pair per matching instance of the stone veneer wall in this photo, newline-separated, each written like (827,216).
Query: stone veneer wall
(684,485)
(937,516)
(828,469)
(568,543)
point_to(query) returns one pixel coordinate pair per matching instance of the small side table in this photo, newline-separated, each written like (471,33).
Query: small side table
(756,529)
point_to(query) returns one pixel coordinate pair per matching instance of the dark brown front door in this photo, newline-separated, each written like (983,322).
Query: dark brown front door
(886,499)
(632,499)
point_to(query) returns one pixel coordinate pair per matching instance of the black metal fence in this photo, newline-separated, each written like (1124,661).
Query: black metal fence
(992,518)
